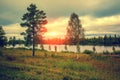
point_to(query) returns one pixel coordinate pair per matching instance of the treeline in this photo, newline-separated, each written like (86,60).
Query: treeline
(106,40)
(13,41)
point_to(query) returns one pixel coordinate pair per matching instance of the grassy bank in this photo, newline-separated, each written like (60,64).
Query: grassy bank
(18,64)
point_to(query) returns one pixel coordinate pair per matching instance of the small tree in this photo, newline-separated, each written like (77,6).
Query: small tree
(55,48)
(34,20)
(3,39)
(49,47)
(42,47)
(10,41)
(94,49)
(14,41)
(113,48)
(105,40)
(75,32)
(66,48)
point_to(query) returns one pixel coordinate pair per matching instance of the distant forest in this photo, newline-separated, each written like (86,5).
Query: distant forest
(106,41)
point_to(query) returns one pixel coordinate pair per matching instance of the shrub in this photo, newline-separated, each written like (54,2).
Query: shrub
(67,78)
(45,54)
(52,55)
(10,58)
(1,53)
(117,52)
(106,52)
(88,52)
(22,48)
(100,57)
(67,52)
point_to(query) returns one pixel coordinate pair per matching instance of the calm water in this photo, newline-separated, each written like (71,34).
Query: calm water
(82,48)
(73,48)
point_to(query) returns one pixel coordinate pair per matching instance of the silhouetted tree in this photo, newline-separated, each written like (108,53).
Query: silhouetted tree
(105,40)
(34,20)
(115,40)
(27,38)
(20,41)
(94,49)
(65,47)
(75,32)
(109,40)
(50,47)
(10,41)
(42,47)
(55,48)
(14,42)
(113,48)
(3,38)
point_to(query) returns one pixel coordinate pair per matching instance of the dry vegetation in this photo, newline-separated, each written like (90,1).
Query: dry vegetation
(18,64)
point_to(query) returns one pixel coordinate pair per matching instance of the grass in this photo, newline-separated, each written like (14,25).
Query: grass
(18,64)
(88,52)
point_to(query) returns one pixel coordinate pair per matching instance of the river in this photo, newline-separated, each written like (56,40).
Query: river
(73,48)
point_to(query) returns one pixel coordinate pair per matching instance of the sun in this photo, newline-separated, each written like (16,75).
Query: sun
(52,34)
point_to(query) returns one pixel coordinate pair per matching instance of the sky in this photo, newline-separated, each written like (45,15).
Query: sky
(98,17)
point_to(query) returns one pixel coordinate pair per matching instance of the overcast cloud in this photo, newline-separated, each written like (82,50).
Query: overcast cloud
(97,16)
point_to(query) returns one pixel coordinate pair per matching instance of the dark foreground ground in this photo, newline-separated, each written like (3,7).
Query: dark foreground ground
(18,64)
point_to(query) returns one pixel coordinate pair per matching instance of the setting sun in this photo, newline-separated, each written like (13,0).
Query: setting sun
(52,34)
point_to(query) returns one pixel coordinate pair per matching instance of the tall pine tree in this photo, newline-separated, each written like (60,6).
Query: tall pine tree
(34,20)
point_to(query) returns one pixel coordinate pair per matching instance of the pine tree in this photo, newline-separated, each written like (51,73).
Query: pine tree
(34,20)
(105,40)
(3,38)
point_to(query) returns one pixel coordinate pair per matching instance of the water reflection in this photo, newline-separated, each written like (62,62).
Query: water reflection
(72,48)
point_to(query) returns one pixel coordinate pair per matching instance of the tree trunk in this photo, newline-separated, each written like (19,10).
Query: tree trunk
(78,48)
(33,50)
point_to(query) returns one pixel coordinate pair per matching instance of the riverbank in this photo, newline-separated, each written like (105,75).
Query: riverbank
(71,48)
(18,64)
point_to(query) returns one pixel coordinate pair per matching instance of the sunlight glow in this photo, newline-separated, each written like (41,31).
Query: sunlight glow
(52,34)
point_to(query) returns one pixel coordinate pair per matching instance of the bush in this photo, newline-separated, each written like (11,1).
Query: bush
(1,53)
(117,52)
(67,78)
(88,52)
(52,55)
(106,52)
(100,57)
(10,58)
(67,52)
(22,48)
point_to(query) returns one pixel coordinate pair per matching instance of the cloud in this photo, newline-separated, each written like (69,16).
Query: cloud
(14,30)
(103,24)
(12,10)
(58,23)
(97,16)
(93,26)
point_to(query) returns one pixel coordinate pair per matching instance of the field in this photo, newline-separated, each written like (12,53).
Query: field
(18,64)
